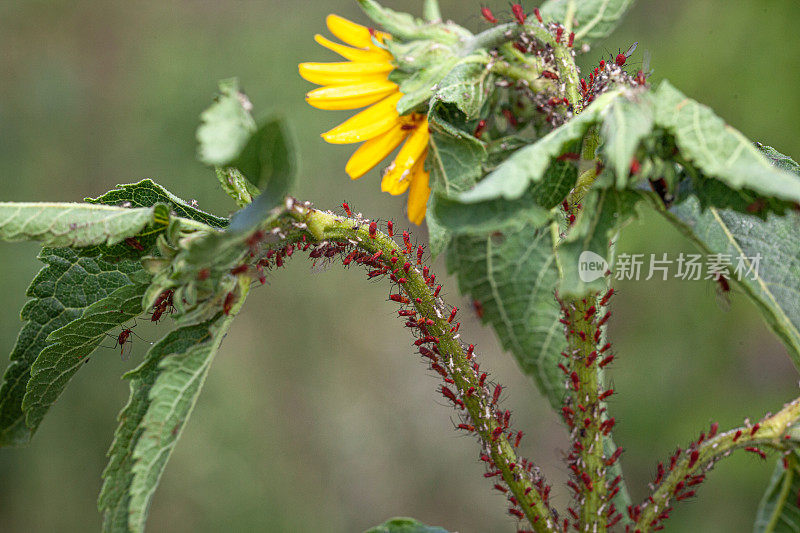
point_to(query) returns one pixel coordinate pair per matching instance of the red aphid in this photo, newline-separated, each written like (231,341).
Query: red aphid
(373,229)
(452,314)
(559,33)
(478,307)
(518,439)
(607,297)
(549,75)
(241,269)
(479,129)
(519,13)
(135,244)
(228,304)
(498,389)
(124,337)
(466,427)
(571,39)
(537,14)
(203,274)
(488,15)
(347,209)
(636,167)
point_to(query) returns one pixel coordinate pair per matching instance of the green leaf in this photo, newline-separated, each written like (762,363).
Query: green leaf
(418,88)
(468,85)
(529,165)
(404,27)
(78,225)
(597,18)
(268,159)
(486,217)
(455,157)
(776,287)
(226,126)
(778,511)
(248,156)
(59,293)
(147,193)
(68,347)
(717,149)
(628,121)
(405,525)
(512,275)
(172,397)
(187,349)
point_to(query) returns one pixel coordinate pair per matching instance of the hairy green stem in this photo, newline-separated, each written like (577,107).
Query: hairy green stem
(477,400)
(587,406)
(770,432)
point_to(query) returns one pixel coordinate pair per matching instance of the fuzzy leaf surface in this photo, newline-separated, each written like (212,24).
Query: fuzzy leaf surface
(529,164)
(225,126)
(718,150)
(115,501)
(467,85)
(627,122)
(513,277)
(68,347)
(172,398)
(147,193)
(775,286)
(597,18)
(77,225)
(778,511)
(60,292)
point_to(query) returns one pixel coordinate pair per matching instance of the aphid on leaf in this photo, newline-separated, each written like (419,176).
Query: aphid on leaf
(135,244)
(478,307)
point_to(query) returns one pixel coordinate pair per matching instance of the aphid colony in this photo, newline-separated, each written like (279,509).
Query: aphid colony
(436,339)
(551,103)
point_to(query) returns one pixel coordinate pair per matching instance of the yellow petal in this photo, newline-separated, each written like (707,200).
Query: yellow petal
(354,54)
(344,73)
(374,151)
(418,193)
(397,177)
(350,96)
(352,33)
(368,124)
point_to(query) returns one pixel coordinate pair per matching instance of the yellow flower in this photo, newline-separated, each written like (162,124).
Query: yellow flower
(363,81)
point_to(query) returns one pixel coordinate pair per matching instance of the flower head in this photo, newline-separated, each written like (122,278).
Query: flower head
(361,81)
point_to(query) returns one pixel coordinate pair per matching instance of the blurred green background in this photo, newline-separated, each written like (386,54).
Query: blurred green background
(306,423)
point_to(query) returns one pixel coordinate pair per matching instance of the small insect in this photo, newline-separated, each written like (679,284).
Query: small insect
(135,244)
(125,342)
(479,129)
(488,15)
(519,13)
(622,57)
(478,307)
(723,290)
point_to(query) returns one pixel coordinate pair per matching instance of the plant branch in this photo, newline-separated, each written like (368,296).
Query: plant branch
(473,398)
(701,456)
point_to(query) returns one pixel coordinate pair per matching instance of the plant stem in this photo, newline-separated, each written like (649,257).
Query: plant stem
(771,432)
(475,398)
